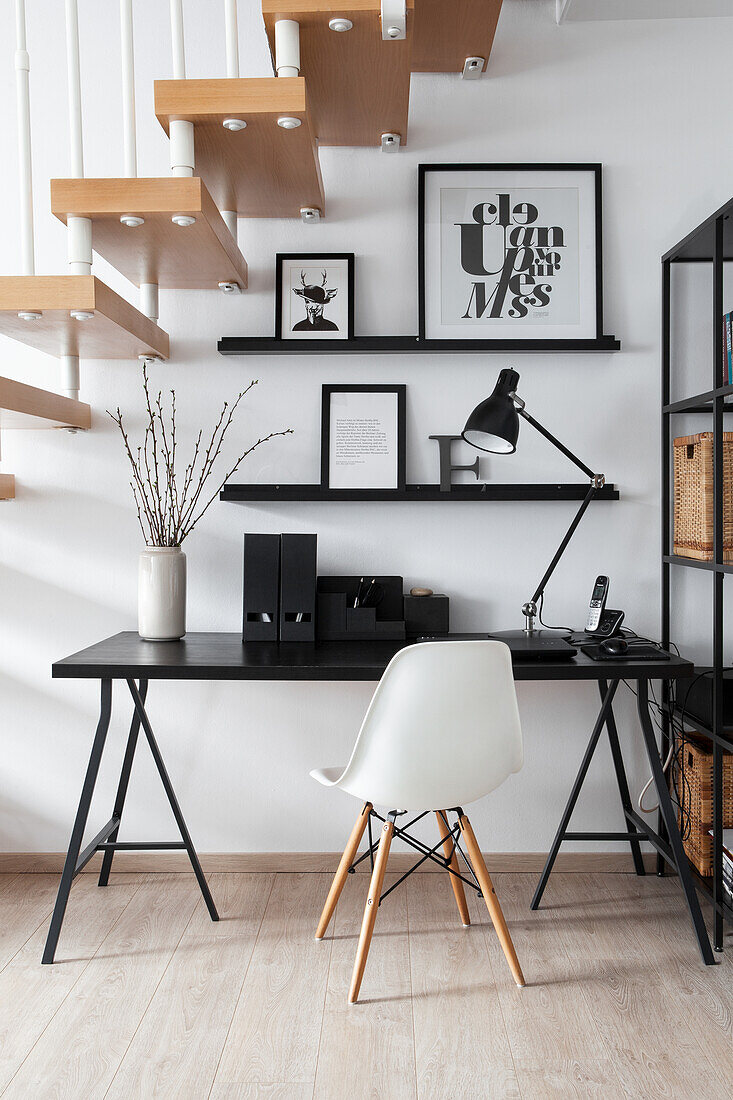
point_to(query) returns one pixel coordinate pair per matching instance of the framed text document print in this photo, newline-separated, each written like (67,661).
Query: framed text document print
(363,437)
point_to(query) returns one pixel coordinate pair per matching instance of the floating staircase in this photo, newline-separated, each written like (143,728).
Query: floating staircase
(197,256)
(448,32)
(268,169)
(23,406)
(358,83)
(239,146)
(106,326)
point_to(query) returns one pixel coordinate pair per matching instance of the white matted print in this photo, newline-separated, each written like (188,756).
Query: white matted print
(510,252)
(314,299)
(363,437)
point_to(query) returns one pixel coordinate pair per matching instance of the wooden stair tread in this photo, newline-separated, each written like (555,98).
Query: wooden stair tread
(263,171)
(358,84)
(448,31)
(23,406)
(116,331)
(193,257)
(7,487)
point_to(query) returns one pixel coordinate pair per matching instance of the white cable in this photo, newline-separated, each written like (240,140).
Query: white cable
(648,784)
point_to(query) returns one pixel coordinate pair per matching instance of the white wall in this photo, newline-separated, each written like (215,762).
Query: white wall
(650,100)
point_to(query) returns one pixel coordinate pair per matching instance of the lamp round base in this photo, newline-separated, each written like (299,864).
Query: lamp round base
(531,635)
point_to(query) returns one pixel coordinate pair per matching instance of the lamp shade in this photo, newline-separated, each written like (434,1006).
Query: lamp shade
(494,424)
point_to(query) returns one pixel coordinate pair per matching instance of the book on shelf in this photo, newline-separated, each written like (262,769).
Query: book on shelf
(727,864)
(728,349)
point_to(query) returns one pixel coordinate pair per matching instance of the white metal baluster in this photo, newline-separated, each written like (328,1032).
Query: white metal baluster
(181,132)
(231,33)
(128,88)
(25,169)
(287,47)
(79,229)
(74,81)
(148,291)
(232,38)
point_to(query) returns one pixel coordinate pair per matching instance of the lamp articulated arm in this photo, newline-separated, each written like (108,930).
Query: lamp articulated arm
(597,481)
(493,426)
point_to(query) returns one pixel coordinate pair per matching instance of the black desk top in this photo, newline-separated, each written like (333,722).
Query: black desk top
(219,656)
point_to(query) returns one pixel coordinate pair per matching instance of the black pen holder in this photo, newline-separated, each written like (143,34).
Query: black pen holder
(339,621)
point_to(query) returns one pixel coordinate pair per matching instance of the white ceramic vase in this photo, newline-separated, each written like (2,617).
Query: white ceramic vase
(161,594)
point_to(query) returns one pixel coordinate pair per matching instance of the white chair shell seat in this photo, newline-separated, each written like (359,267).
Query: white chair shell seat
(329,777)
(442,729)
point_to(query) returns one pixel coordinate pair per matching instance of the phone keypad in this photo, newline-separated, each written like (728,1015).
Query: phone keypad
(594,614)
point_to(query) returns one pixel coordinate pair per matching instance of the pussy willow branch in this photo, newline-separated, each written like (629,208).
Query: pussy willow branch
(165,515)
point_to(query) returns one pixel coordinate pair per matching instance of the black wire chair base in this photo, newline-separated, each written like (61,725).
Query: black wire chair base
(444,862)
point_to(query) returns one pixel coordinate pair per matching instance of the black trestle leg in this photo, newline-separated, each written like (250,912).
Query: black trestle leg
(577,785)
(80,822)
(670,820)
(122,786)
(168,787)
(623,784)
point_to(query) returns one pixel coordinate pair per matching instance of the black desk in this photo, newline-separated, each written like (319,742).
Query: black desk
(217,656)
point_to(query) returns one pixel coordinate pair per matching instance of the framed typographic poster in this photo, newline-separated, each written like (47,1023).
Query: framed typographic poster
(510,252)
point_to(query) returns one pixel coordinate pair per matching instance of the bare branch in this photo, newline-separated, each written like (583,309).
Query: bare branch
(165,513)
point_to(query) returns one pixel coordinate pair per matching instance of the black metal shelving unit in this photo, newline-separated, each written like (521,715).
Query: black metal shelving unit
(710,243)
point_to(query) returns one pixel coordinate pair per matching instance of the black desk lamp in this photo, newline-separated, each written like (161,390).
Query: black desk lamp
(493,426)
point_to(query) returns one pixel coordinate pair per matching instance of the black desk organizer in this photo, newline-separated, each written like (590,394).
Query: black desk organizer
(338,620)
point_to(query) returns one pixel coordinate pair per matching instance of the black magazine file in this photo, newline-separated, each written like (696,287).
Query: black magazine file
(261,588)
(297,588)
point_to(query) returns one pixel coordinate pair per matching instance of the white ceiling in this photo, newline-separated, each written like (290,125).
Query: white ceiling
(569,11)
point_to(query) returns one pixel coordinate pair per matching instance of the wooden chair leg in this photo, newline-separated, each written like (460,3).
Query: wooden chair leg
(492,902)
(449,851)
(339,879)
(370,910)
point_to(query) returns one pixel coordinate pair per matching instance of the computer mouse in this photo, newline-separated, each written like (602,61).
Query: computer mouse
(615,647)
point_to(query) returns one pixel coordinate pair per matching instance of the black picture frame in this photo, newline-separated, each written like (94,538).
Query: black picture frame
(310,257)
(538,342)
(400,390)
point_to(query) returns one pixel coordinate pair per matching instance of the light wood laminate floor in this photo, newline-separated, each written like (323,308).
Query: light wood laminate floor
(150,999)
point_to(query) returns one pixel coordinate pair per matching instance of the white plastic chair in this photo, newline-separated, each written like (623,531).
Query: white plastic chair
(442,730)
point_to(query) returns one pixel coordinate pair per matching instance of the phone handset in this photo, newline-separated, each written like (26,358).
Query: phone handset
(597,604)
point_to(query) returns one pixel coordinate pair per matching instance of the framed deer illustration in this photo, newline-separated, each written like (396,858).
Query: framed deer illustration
(314,296)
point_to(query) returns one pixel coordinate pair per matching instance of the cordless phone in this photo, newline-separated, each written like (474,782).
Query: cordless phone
(597,604)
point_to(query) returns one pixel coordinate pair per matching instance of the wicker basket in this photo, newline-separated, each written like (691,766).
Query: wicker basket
(698,773)
(693,496)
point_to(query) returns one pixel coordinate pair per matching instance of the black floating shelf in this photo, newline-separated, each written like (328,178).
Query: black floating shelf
(276,493)
(360,345)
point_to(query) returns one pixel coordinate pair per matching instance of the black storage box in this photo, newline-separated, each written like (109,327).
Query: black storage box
(695,697)
(426,615)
